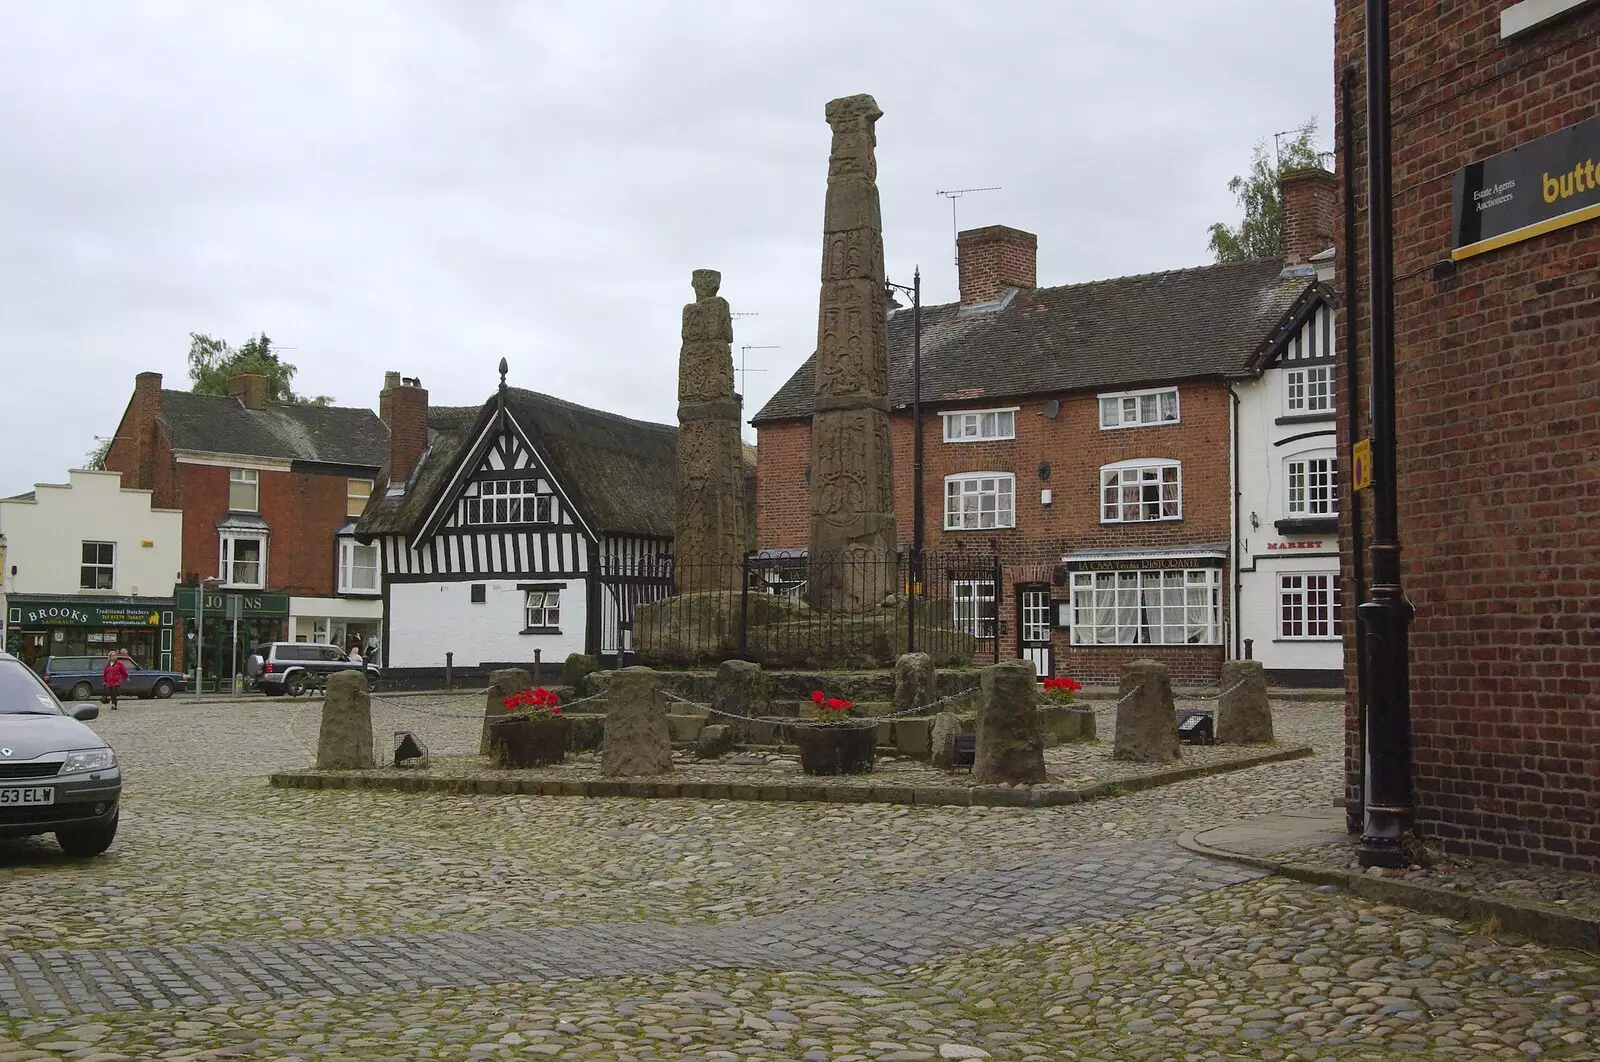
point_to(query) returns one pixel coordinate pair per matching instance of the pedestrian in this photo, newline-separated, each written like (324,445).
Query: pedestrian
(355,655)
(114,675)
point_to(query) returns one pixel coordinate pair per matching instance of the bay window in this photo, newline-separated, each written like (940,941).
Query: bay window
(1156,607)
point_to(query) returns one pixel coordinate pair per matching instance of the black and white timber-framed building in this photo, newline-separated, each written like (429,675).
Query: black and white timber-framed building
(527,531)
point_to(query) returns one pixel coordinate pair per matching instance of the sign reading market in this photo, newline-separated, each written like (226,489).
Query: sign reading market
(1541,186)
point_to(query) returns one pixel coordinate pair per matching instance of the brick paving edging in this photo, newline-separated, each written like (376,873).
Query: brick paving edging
(1547,925)
(810,791)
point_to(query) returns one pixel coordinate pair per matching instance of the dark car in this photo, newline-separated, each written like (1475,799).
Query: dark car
(295,667)
(77,678)
(56,775)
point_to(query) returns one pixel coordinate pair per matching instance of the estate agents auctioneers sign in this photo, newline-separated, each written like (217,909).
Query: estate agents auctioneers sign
(1541,186)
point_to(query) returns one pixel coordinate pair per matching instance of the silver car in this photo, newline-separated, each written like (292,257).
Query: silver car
(56,775)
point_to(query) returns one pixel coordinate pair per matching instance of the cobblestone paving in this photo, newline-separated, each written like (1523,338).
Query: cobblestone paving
(232,920)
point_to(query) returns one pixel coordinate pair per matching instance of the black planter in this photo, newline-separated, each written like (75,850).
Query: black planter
(528,741)
(838,748)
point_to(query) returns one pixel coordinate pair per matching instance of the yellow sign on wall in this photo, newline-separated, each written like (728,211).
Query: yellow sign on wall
(1361,465)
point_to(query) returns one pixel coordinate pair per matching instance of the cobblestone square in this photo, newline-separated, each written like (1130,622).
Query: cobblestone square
(235,920)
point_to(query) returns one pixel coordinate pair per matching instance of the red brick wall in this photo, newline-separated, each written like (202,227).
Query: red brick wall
(404,410)
(1075,447)
(994,258)
(139,449)
(1310,205)
(304,510)
(1498,401)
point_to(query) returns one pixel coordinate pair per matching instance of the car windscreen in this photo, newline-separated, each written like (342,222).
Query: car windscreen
(21,692)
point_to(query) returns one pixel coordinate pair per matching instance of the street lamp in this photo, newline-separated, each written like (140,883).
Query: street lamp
(200,632)
(915,567)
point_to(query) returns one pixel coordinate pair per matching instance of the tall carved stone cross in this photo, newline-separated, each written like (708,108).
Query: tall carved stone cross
(852,546)
(708,529)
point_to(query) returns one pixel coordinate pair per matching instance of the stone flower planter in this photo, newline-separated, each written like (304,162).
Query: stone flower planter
(528,741)
(840,748)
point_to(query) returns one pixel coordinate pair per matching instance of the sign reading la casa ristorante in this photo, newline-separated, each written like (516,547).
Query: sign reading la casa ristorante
(1538,187)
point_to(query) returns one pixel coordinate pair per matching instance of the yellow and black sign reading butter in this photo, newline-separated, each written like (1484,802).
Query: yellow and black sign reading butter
(1544,185)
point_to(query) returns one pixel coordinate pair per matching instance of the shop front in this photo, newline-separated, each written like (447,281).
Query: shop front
(45,625)
(229,625)
(345,622)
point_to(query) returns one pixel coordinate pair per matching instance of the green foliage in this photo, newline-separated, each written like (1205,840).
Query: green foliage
(96,457)
(1260,235)
(213,362)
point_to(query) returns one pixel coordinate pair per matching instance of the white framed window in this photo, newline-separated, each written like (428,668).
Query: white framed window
(543,609)
(509,501)
(1170,606)
(99,568)
(1133,409)
(1311,485)
(357,491)
(1308,606)
(358,567)
(976,501)
(1134,491)
(244,561)
(980,425)
(244,490)
(1308,390)
(972,605)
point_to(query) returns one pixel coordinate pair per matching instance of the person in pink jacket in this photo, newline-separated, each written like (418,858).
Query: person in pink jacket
(114,675)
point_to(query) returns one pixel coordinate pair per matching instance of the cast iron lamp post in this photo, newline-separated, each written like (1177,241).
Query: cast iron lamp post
(1386,618)
(914,569)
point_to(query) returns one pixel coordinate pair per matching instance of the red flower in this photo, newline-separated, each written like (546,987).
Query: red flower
(816,696)
(555,711)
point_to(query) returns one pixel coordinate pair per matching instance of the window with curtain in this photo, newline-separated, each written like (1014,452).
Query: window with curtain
(1170,606)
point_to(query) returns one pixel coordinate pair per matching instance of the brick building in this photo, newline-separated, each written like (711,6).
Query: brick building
(1498,419)
(1085,434)
(269,494)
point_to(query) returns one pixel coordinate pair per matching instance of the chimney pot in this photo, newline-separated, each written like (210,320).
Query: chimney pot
(391,379)
(993,259)
(1310,203)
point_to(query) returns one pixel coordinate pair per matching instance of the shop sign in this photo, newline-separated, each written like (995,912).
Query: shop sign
(1294,545)
(254,605)
(63,614)
(1143,564)
(1538,187)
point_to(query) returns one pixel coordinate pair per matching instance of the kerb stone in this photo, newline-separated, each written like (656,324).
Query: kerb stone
(636,740)
(502,684)
(346,736)
(1147,723)
(1244,717)
(1010,743)
(946,725)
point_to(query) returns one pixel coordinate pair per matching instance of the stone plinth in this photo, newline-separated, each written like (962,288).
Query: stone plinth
(1243,715)
(709,526)
(1147,723)
(852,540)
(345,739)
(1010,745)
(946,725)
(913,681)
(502,684)
(636,740)
(742,689)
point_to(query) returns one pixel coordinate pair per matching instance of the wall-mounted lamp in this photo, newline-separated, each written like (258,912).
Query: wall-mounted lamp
(1255,522)
(1044,470)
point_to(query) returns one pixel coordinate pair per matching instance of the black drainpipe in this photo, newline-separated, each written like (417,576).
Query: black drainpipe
(1353,383)
(1238,578)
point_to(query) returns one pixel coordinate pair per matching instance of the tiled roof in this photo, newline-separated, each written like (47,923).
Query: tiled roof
(1159,327)
(335,435)
(620,473)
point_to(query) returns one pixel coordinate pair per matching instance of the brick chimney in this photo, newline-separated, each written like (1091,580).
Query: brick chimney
(133,448)
(403,407)
(249,389)
(1310,201)
(993,259)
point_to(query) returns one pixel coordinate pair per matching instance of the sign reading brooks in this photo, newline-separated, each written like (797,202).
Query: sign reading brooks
(1541,186)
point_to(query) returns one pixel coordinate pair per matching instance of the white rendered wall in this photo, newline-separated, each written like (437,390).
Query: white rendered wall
(427,620)
(44,538)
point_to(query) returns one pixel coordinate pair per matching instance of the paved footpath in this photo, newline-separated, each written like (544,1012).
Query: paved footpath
(235,921)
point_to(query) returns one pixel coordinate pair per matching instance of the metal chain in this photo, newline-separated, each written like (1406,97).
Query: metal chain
(1219,696)
(855,720)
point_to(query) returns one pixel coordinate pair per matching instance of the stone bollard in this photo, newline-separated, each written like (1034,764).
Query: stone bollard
(913,681)
(946,725)
(742,688)
(346,736)
(1243,715)
(636,740)
(1147,723)
(502,684)
(1010,745)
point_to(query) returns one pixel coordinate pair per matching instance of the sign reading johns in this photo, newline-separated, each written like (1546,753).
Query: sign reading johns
(1541,186)
(250,604)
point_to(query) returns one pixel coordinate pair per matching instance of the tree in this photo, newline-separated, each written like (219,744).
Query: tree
(96,457)
(213,362)
(1260,235)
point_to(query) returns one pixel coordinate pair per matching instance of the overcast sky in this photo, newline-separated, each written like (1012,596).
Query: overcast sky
(429,186)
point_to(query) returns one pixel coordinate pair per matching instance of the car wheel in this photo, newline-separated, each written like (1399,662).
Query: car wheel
(83,692)
(87,840)
(295,684)
(163,689)
(372,683)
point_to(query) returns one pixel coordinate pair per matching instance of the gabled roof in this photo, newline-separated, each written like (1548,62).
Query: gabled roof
(620,473)
(334,435)
(1160,327)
